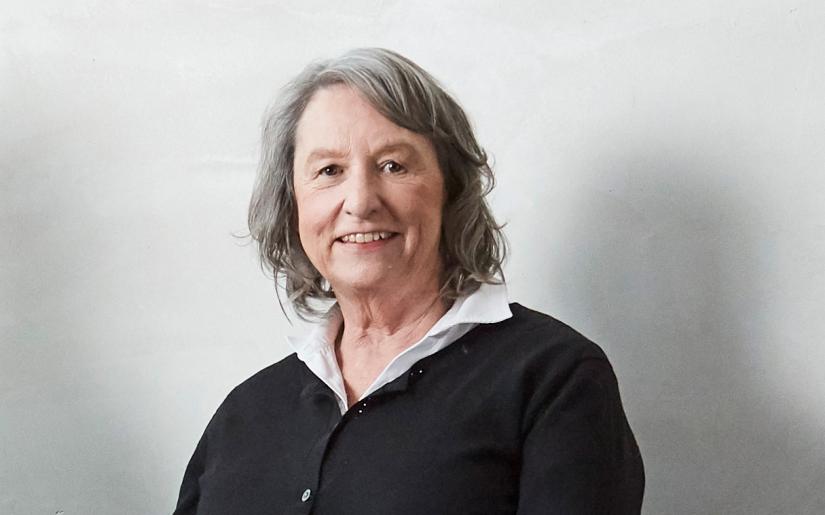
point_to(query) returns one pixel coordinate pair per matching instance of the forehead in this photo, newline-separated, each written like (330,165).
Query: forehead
(338,117)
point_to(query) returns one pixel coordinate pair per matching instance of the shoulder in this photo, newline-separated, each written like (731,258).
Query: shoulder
(552,367)
(541,357)
(273,386)
(285,373)
(532,334)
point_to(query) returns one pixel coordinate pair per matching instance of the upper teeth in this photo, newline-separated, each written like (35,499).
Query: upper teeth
(365,237)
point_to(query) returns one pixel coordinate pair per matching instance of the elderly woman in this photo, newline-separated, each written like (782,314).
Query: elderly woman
(421,390)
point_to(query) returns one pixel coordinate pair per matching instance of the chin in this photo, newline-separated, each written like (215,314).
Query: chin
(364,281)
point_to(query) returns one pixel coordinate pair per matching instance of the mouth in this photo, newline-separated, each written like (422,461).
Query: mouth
(366,237)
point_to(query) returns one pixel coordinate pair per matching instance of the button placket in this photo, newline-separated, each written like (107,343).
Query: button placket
(308,486)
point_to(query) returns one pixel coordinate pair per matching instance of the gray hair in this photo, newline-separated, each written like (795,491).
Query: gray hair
(472,245)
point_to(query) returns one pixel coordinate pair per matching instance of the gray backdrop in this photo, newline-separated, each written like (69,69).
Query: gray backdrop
(660,168)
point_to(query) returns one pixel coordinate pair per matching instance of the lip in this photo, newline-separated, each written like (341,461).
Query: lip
(342,235)
(365,246)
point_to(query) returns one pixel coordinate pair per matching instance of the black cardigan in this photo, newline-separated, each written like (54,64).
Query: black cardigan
(518,417)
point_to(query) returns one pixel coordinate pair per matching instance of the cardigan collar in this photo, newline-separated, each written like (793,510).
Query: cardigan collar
(487,305)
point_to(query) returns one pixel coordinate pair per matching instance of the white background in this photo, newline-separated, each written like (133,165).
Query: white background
(660,168)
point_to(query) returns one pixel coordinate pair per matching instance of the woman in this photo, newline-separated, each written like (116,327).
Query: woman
(421,391)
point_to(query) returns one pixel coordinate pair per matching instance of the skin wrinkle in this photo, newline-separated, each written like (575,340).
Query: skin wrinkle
(390,147)
(388,293)
(472,245)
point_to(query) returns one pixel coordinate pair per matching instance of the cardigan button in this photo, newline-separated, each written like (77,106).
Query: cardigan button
(306,495)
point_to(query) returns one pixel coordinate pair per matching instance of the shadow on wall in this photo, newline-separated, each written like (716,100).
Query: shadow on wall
(670,267)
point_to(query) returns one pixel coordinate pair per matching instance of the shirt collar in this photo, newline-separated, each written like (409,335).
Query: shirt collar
(487,305)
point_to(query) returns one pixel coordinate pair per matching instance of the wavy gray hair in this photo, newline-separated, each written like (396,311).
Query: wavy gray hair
(472,245)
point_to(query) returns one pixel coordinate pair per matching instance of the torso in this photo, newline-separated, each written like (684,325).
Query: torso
(445,437)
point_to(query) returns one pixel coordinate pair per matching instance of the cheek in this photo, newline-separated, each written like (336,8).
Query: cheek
(435,204)
(310,221)
(428,208)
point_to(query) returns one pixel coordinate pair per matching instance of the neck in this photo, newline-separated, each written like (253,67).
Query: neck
(393,320)
(378,327)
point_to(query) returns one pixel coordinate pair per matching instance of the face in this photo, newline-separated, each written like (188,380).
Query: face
(369,196)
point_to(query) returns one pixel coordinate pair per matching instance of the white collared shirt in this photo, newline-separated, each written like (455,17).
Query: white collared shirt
(487,305)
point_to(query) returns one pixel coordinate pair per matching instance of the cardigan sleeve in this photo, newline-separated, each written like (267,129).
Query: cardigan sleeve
(190,487)
(579,454)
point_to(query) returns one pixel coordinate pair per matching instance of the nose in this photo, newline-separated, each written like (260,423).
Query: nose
(362,197)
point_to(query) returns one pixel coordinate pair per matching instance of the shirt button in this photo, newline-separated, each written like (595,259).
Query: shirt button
(306,495)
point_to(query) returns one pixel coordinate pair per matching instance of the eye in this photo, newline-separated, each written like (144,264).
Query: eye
(392,167)
(329,171)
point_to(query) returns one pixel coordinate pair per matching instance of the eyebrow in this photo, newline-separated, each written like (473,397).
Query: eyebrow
(392,146)
(323,153)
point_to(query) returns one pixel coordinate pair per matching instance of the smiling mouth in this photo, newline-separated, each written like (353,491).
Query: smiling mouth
(366,237)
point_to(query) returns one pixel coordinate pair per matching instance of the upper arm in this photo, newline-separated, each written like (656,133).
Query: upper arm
(579,454)
(190,486)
